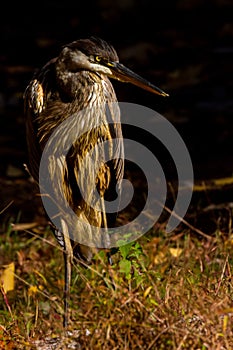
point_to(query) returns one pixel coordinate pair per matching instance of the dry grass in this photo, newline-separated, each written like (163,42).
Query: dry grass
(178,295)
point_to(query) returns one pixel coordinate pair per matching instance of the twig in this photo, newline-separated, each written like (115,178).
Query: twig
(222,275)
(6,300)
(6,207)
(186,223)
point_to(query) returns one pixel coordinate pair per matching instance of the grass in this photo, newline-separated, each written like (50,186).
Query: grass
(170,293)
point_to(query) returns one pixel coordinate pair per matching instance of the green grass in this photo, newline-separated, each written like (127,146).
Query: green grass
(160,300)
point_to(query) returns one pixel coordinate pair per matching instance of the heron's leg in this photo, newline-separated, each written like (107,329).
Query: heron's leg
(67,266)
(68,257)
(109,256)
(111,276)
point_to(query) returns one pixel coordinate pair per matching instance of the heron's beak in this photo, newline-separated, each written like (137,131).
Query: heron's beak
(124,74)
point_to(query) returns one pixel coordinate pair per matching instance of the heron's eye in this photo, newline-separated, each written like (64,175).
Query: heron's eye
(98,58)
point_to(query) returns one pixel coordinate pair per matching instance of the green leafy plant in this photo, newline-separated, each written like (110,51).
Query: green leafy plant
(131,263)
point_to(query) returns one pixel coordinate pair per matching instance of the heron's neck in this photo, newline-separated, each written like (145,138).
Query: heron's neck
(85,87)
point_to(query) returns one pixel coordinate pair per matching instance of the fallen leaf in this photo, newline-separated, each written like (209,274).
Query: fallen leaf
(175,252)
(7,277)
(160,258)
(147,291)
(32,290)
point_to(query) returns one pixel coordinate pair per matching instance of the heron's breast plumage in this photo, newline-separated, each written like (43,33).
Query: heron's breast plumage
(87,103)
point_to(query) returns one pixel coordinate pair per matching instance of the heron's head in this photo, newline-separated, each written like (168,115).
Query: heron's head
(98,56)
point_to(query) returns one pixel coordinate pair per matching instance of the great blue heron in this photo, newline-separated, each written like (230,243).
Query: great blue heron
(76,80)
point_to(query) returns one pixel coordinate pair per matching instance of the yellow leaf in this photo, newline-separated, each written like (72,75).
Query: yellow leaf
(40,287)
(175,252)
(7,277)
(32,290)
(147,291)
(160,258)
(225,322)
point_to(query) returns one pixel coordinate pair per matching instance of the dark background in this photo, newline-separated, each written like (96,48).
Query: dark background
(184,47)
